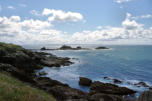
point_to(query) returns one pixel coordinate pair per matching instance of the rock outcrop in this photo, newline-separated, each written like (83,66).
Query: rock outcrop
(105,97)
(116,81)
(145,96)
(107,88)
(83,81)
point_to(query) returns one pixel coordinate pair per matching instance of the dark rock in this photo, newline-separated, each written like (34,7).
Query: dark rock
(107,78)
(42,73)
(67,93)
(145,96)
(45,82)
(43,48)
(117,81)
(114,80)
(141,84)
(105,97)
(14,71)
(107,88)
(78,47)
(64,47)
(101,47)
(150,88)
(84,81)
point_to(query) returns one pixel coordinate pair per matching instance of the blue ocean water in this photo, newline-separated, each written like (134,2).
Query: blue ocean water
(127,63)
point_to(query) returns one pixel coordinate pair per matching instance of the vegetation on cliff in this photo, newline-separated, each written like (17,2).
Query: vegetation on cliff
(12,89)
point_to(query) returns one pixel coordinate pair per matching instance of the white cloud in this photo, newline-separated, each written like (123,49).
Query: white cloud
(34,12)
(99,27)
(122,1)
(31,31)
(142,17)
(130,24)
(61,16)
(22,5)
(11,7)
(28,31)
(130,30)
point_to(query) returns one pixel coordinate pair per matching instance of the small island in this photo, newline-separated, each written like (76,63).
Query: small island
(101,47)
(66,47)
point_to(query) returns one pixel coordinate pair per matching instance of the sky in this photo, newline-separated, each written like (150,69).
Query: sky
(76,21)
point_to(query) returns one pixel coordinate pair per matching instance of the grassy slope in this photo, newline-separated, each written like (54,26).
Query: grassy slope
(12,89)
(10,48)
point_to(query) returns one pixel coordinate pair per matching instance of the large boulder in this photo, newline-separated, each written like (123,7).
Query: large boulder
(65,93)
(105,97)
(84,81)
(145,96)
(107,88)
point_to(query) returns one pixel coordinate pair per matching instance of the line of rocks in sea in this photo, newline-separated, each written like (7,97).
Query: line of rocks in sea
(100,91)
(65,47)
(137,84)
(22,64)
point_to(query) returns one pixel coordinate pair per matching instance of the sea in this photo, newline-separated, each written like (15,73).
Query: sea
(129,63)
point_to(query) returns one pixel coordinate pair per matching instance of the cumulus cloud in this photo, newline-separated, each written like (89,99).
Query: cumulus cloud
(130,24)
(122,1)
(30,31)
(129,30)
(11,7)
(62,16)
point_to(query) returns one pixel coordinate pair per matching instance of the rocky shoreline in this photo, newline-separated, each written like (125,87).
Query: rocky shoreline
(21,64)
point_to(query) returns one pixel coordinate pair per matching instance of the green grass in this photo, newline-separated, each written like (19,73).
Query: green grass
(10,48)
(12,89)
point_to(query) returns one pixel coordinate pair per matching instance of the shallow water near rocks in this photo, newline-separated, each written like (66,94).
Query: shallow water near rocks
(127,63)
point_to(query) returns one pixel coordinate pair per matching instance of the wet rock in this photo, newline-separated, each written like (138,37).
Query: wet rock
(150,88)
(42,73)
(145,96)
(141,84)
(107,78)
(114,80)
(117,81)
(83,81)
(107,88)
(105,97)
(56,61)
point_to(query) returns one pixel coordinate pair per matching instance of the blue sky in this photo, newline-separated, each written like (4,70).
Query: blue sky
(94,21)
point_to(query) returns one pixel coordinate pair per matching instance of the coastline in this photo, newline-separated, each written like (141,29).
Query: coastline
(22,63)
